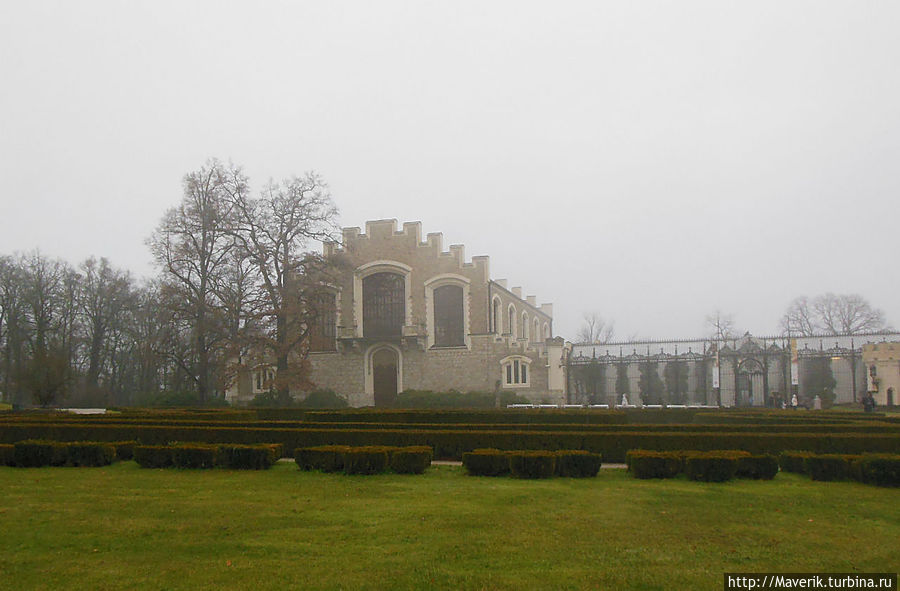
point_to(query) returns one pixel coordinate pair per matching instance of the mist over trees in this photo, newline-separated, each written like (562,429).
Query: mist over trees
(238,285)
(832,314)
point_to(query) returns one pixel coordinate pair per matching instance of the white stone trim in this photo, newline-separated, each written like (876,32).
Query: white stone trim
(380,266)
(440,281)
(523,361)
(370,374)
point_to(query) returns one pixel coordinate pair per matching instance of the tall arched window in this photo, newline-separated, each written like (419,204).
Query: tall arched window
(536,331)
(449,322)
(523,328)
(496,319)
(322,330)
(384,305)
(511,321)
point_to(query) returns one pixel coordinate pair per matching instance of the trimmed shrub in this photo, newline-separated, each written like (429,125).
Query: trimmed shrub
(153,456)
(794,461)
(451,441)
(7,455)
(411,460)
(124,450)
(35,453)
(327,458)
(486,462)
(711,466)
(879,469)
(757,467)
(576,463)
(90,454)
(827,467)
(654,464)
(324,399)
(247,457)
(370,459)
(532,464)
(194,456)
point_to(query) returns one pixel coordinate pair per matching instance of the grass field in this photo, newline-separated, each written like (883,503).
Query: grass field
(124,527)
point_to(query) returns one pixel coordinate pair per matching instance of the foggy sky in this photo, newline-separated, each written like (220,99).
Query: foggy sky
(651,161)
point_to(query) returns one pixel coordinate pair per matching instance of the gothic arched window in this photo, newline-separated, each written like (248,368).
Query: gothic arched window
(322,331)
(384,305)
(495,316)
(449,323)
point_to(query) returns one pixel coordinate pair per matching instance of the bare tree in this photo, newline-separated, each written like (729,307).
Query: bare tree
(275,231)
(832,314)
(12,323)
(841,314)
(720,325)
(595,330)
(192,246)
(798,319)
(105,294)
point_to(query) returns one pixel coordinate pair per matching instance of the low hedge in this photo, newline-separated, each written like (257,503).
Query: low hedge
(829,467)
(794,461)
(451,417)
(153,456)
(452,443)
(577,463)
(7,455)
(247,457)
(371,459)
(90,454)
(411,460)
(37,453)
(709,466)
(326,458)
(712,466)
(532,464)
(757,467)
(194,456)
(654,464)
(879,469)
(366,460)
(124,450)
(486,462)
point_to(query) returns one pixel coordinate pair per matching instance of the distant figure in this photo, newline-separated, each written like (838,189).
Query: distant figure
(624,400)
(817,403)
(794,402)
(869,402)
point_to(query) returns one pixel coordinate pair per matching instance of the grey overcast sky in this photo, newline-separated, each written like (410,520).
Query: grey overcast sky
(652,161)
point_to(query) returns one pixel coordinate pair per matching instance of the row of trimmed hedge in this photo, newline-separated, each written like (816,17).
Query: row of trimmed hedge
(452,443)
(205,456)
(878,469)
(871,427)
(370,459)
(532,464)
(708,466)
(37,453)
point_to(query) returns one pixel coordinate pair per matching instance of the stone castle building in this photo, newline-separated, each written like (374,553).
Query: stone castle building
(406,315)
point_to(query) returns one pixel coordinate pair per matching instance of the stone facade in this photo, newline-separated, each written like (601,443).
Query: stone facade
(882,364)
(504,341)
(753,371)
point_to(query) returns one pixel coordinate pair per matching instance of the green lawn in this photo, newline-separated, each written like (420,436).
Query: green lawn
(128,528)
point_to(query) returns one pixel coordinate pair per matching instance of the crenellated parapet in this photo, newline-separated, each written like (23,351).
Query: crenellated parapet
(382,232)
